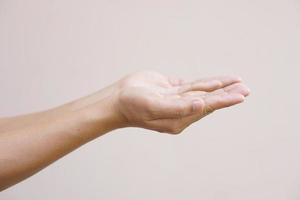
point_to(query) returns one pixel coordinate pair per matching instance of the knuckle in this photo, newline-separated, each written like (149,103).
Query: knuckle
(219,83)
(171,128)
(208,110)
(175,129)
(177,132)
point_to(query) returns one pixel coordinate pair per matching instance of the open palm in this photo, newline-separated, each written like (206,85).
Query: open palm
(151,100)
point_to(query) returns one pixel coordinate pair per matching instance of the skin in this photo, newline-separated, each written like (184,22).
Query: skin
(146,99)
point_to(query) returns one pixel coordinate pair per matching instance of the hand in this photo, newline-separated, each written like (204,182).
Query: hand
(153,101)
(146,99)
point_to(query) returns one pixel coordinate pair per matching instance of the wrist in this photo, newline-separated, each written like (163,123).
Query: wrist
(103,116)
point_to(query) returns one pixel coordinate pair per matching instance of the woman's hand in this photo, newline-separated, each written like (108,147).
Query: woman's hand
(153,101)
(146,99)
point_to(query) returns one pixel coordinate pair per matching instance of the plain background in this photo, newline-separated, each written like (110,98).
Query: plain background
(55,51)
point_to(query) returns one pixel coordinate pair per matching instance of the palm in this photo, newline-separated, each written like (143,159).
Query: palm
(154,101)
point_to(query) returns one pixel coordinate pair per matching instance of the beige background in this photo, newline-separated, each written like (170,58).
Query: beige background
(54,51)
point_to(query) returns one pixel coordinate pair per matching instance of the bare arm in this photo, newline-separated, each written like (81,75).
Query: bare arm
(149,100)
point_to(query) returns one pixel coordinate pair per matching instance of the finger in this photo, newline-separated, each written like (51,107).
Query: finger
(209,84)
(175,108)
(234,88)
(222,100)
(238,88)
(217,100)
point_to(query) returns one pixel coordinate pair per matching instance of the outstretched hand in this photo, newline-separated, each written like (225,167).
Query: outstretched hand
(145,99)
(151,100)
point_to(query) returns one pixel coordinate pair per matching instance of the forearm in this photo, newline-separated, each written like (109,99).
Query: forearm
(31,142)
(21,121)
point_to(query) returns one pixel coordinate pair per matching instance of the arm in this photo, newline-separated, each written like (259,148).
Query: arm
(146,99)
